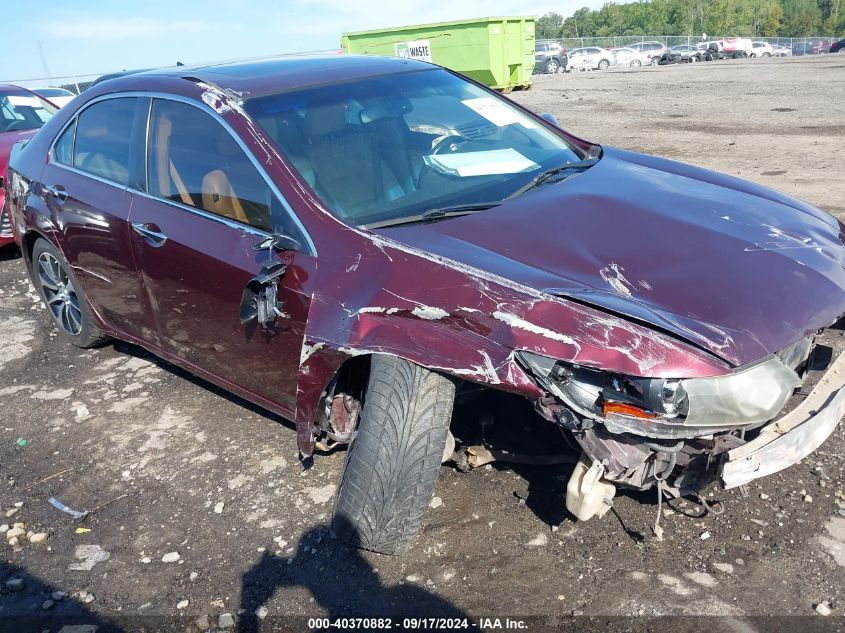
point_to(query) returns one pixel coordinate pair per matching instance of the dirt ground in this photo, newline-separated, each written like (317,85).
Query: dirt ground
(186,470)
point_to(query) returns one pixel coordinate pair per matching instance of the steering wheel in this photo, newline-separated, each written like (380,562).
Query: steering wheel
(448,142)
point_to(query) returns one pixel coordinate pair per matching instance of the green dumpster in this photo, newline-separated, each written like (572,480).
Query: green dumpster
(498,52)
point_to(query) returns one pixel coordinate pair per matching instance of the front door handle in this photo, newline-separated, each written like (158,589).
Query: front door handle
(56,192)
(151,233)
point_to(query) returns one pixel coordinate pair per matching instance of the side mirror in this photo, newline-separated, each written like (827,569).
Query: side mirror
(278,242)
(550,118)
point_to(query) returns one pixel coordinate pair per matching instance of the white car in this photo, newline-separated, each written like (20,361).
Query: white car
(628,57)
(589,58)
(761,49)
(59,97)
(781,51)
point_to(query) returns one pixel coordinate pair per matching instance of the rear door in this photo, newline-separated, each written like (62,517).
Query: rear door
(194,228)
(86,184)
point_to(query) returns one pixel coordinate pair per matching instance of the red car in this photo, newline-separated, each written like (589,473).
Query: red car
(352,241)
(21,113)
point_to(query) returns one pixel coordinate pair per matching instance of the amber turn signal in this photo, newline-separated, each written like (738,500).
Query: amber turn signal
(626,409)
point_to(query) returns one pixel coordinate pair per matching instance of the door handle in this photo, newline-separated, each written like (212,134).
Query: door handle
(150,233)
(57,192)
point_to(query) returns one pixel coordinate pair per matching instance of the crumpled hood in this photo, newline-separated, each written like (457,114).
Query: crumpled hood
(730,266)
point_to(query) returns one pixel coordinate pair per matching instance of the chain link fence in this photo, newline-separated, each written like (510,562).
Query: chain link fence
(796,45)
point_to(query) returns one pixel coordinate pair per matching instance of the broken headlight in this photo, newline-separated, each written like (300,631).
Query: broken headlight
(668,408)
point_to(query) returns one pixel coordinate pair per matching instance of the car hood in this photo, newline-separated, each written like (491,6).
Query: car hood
(731,267)
(7,140)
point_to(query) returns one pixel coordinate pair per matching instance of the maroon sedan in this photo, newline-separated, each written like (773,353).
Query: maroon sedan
(21,113)
(352,241)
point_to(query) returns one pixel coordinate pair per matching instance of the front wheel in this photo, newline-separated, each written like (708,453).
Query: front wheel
(636,63)
(60,290)
(767,54)
(394,460)
(604,64)
(552,66)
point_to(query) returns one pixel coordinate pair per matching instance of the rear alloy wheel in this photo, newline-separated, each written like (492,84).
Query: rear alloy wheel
(395,456)
(552,66)
(604,64)
(60,291)
(636,63)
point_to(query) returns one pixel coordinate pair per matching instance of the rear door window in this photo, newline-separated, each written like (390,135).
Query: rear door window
(103,134)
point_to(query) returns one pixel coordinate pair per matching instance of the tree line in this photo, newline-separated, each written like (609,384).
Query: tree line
(750,18)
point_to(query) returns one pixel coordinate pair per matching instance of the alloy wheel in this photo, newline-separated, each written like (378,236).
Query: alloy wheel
(60,294)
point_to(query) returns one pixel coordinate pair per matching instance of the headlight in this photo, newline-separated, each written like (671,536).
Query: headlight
(667,408)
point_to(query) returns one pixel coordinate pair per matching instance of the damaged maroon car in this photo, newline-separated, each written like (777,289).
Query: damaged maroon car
(350,242)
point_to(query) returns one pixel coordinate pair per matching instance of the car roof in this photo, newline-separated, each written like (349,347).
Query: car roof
(262,77)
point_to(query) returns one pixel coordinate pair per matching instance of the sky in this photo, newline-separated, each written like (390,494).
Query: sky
(85,38)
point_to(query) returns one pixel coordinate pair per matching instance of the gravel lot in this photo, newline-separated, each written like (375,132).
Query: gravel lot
(183,468)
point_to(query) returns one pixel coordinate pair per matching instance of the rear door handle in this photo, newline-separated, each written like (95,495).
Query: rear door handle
(57,192)
(151,233)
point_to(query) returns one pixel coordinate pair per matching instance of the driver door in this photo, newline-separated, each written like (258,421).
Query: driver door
(194,233)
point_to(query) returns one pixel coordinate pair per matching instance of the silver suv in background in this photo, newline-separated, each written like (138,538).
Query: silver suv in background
(651,50)
(549,57)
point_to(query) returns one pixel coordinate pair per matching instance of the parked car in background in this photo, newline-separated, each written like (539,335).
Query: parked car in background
(781,51)
(57,96)
(549,57)
(22,113)
(812,46)
(213,216)
(838,47)
(761,49)
(652,50)
(624,56)
(688,52)
(589,58)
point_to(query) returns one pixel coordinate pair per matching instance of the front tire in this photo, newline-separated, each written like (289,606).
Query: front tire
(62,295)
(552,66)
(394,460)
(636,63)
(604,64)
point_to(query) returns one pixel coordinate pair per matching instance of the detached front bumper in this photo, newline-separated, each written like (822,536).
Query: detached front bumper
(794,436)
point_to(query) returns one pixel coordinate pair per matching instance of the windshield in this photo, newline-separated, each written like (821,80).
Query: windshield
(396,146)
(22,110)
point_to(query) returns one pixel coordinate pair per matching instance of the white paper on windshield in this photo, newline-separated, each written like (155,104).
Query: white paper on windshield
(497,161)
(21,100)
(498,113)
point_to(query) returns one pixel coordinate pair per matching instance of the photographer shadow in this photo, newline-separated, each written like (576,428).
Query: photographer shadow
(342,583)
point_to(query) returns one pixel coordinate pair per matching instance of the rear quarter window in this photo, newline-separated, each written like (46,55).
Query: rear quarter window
(64,146)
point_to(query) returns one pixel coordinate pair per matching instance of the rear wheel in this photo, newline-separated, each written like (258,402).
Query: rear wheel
(604,64)
(636,63)
(395,457)
(62,294)
(552,66)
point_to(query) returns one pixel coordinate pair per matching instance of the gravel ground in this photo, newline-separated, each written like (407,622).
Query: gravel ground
(187,474)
